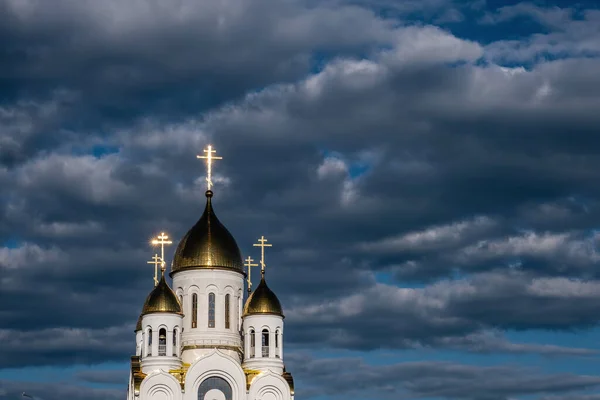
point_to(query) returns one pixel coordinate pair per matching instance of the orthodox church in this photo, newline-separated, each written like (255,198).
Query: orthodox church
(200,340)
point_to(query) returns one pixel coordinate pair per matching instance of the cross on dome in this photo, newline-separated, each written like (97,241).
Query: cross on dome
(249,264)
(162,240)
(155,260)
(262,243)
(209,160)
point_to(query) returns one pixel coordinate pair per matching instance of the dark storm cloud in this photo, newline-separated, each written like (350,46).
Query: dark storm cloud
(64,346)
(103,376)
(56,391)
(429,380)
(453,314)
(465,168)
(562,33)
(464,159)
(572,397)
(120,60)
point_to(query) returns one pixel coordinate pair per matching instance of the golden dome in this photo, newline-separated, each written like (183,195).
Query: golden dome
(263,301)
(161,300)
(207,245)
(138,326)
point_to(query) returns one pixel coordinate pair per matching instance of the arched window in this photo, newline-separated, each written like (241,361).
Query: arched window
(265,343)
(252,343)
(211,310)
(175,343)
(162,342)
(194,310)
(277,339)
(227,311)
(149,342)
(218,388)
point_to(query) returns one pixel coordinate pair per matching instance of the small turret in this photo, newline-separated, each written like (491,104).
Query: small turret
(263,326)
(160,326)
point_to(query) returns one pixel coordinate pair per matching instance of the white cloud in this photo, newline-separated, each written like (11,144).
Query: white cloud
(332,166)
(30,255)
(569,36)
(436,237)
(553,247)
(84,177)
(430,45)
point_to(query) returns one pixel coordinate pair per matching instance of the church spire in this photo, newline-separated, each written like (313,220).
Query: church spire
(208,244)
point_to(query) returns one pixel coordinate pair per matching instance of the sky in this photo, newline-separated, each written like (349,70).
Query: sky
(428,172)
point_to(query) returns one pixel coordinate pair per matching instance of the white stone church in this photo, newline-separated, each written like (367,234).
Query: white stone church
(200,341)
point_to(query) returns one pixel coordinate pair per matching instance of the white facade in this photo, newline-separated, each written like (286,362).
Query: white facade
(161,342)
(207,329)
(204,357)
(266,353)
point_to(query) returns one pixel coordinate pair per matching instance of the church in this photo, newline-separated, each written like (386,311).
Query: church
(200,340)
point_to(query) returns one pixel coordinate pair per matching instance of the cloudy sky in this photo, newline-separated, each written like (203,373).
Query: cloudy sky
(428,172)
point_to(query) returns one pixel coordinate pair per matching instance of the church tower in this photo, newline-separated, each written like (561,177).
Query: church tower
(263,325)
(198,340)
(161,322)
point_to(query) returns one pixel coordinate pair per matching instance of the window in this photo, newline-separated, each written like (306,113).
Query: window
(211,310)
(252,343)
(215,384)
(194,310)
(162,342)
(227,311)
(277,333)
(149,342)
(265,343)
(175,343)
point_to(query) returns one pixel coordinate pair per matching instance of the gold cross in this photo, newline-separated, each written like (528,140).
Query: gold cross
(262,244)
(209,159)
(162,240)
(156,260)
(249,265)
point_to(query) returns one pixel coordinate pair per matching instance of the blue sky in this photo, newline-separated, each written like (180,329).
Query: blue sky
(427,170)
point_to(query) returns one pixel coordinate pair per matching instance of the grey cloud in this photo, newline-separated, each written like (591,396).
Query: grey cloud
(573,32)
(103,376)
(23,122)
(450,314)
(482,173)
(553,17)
(572,397)
(557,253)
(434,238)
(430,380)
(489,342)
(126,60)
(65,346)
(56,391)
(441,145)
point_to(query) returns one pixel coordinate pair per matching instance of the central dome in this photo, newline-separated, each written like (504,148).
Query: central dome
(207,245)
